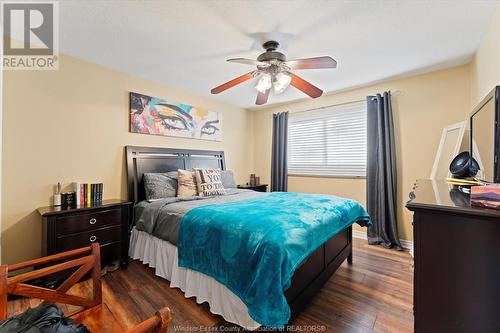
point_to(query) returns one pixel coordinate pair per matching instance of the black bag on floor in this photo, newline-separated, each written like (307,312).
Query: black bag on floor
(45,318)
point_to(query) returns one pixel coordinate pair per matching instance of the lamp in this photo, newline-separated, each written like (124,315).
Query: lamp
(264,83)
(281,82)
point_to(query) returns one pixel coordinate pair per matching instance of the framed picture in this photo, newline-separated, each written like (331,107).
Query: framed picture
(156,116)
(449,147)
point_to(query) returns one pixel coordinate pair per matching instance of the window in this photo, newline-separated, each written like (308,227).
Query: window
(328,142)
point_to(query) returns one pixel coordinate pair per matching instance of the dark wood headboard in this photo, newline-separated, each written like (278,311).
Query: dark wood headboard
(141,160)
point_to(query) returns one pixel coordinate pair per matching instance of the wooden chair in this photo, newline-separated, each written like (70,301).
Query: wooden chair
(92,312)
(156,324)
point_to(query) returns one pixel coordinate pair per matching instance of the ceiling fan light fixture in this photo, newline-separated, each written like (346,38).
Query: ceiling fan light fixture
(275,71)
(281,82)
(264,83)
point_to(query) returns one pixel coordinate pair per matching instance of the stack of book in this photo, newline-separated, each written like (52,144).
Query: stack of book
(88,194)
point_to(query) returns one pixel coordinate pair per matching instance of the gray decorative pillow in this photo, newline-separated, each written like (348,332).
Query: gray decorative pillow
(227,178)
(160,185)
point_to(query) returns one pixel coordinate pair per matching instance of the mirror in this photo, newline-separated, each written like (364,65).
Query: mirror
(449,147)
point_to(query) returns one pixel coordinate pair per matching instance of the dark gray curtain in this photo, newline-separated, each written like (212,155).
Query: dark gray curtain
(279,167)
(381,178)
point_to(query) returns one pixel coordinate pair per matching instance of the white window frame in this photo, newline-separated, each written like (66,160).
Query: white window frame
(329,113)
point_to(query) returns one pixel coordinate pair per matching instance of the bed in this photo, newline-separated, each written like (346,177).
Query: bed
(309,276)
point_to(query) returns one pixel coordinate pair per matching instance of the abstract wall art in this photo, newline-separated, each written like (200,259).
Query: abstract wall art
(156,116)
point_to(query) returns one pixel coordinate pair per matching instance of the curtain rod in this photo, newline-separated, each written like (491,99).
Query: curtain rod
(329,106)
(395,93)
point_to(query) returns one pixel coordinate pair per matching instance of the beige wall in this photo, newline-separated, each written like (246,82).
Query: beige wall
(485,67)
(71,125)
(422,106)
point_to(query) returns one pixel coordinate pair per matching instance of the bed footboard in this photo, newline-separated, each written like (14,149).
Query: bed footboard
(317,269)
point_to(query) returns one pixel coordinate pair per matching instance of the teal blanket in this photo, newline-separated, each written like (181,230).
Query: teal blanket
(253,246)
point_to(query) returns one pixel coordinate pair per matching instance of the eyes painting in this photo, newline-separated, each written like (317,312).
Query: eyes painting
(177,119)
(210,128)
(175,123)
(151,115)
(174,117)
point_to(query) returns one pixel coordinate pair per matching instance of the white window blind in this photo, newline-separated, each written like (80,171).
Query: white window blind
(328,142)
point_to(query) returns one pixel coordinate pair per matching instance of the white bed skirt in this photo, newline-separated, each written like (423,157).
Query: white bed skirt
(162,256)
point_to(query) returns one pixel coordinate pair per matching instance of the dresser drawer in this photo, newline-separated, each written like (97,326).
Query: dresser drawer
(102,236)
(87,221)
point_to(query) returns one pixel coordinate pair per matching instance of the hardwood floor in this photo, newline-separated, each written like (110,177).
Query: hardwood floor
(374,294)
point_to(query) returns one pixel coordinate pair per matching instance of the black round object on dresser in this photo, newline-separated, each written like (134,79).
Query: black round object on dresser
(464,166)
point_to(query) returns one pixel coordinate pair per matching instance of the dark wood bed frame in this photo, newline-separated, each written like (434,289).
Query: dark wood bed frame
(311,274)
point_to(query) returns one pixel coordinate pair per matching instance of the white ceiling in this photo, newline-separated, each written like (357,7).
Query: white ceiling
(185,43)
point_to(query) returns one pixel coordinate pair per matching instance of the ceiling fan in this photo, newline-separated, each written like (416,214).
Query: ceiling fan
(274,71)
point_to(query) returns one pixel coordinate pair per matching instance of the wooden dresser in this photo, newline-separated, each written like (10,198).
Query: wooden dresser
(457,261)
(106,223)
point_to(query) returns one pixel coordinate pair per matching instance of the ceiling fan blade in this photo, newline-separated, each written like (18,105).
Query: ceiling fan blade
(305,86)
(248,61)
(262,97)
(312,63)
(233,82)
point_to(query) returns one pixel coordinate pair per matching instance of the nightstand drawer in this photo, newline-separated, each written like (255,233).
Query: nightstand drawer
(87,221)
(103,236)
(73,227)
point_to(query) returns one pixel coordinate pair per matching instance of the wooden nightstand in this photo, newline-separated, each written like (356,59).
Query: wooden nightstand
(71,228)
(258,188)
